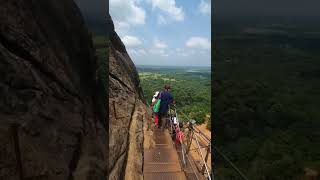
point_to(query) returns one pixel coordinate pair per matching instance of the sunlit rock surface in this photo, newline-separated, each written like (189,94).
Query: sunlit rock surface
(126,113)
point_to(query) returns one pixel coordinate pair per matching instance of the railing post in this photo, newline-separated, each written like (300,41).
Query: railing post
(189,140)
(202,158)
(206,158)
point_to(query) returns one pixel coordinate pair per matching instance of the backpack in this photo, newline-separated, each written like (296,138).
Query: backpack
(156,107)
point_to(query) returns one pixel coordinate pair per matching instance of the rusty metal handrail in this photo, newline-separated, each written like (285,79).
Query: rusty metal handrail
(203,159)
(182,151)
(195,131)
(192,167)
(207,139)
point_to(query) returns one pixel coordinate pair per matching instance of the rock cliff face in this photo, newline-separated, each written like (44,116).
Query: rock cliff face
(126,113)
(52,122)
(51,126)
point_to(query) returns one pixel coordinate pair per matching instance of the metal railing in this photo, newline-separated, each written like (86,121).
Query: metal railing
(194,133)
(172,116)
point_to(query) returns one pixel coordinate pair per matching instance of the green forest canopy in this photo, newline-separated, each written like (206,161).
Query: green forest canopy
(266,92)
(191,89)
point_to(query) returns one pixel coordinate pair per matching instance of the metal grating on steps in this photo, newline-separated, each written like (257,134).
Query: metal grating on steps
(163,146)
(158,131)
(165,176)
(162,167)
(162,162)
(192,176)
(162,140)
(160,155)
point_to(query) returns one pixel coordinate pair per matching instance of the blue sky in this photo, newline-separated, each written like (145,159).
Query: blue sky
(164,32)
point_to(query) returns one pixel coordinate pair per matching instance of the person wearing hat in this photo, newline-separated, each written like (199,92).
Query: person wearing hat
(155,97)
(155,115)
(166,99)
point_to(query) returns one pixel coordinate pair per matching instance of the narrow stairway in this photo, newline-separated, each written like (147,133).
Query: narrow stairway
(161,162)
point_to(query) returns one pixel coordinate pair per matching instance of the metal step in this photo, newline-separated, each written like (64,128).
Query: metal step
(163,146)
(162,167)
(162,162)
(165,176)
(193,176)
(162,139)
(162,155)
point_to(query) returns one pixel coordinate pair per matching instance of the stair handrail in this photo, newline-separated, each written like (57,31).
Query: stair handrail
(208,140)
(202,158)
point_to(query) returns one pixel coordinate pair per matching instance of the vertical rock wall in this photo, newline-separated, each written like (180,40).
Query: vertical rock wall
(50,124)
(126,113)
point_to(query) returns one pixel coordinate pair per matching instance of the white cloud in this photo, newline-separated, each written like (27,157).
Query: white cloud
(121,27)
(162,20)
(125,13)
(142,52)
(159,44)
(169,8)
(132,51)
(205,7)
(184,52)
(137,52)
(181,52)
(198,43)
(158,52)
(131,41)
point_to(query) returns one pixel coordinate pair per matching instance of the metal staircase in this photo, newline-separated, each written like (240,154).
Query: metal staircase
(162,162)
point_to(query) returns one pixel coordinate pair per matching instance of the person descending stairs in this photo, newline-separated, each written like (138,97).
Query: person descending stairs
(165,159)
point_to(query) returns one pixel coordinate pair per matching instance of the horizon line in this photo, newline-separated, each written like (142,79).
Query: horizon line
(174,65)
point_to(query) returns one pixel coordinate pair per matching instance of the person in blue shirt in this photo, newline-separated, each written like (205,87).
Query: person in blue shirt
(166,99)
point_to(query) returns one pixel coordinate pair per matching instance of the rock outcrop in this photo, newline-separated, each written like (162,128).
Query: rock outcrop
(126,113)
(51,125)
